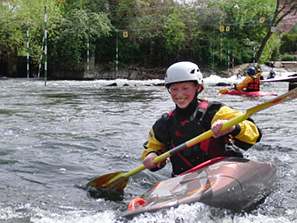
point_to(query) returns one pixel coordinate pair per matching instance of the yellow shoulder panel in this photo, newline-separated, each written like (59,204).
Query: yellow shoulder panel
(153,145)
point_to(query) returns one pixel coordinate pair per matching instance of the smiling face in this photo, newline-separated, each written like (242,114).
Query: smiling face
(183,93)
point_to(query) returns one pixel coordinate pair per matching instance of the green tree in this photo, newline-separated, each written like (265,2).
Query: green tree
(289,43)
(68,40)
(14,18)
(159,32)
(246,20)
(283,8)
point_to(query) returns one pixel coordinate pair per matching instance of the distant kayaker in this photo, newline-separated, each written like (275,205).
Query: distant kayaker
(251,82)
(239,74)
(190,118)
(271,74)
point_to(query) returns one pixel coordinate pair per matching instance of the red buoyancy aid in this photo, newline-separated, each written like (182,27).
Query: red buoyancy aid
(182,131)
(254,85)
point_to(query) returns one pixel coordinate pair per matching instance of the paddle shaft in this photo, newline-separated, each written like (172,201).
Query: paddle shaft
(282,98)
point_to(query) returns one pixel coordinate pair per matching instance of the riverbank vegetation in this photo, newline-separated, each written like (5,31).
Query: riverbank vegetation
(149,33)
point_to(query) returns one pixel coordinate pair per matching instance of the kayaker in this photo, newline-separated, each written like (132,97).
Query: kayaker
(251,82)
(190,118)
(239,74)
(271,75)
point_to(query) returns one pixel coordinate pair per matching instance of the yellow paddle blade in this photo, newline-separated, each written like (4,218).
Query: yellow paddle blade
(223,91)
(117,181)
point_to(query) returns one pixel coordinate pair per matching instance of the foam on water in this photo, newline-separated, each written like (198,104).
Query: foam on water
(80,131)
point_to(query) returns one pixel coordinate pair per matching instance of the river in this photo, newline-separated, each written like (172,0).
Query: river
(56,138)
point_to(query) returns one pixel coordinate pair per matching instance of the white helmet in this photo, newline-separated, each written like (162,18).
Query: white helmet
(182,72)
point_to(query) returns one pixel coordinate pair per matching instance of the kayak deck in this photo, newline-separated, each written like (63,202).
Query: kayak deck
(252,93)
(233,183)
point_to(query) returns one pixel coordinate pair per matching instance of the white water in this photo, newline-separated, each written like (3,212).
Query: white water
(57,137)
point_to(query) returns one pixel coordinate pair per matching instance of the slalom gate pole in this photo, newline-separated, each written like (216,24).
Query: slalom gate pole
(28,66)
(40,58)
(45,46)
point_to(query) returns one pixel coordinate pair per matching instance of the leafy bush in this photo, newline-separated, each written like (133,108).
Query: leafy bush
(287,57)
(289,43)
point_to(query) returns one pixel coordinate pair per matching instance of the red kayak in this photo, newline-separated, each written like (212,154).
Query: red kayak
(252,93)
(226,182)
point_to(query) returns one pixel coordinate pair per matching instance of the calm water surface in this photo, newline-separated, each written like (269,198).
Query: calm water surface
(56,138)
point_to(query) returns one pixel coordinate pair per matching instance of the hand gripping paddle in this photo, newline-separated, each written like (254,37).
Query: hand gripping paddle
(119,180)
